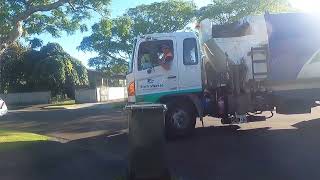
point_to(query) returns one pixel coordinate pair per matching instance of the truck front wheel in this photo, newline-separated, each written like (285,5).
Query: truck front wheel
(180,120)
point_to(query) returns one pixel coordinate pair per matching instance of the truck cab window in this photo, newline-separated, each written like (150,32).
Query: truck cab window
(190,51)
(151,52)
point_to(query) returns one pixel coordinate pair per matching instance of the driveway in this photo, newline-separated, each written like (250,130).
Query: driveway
(284,147)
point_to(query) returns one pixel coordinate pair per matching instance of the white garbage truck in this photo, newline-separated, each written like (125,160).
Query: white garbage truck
(261,63)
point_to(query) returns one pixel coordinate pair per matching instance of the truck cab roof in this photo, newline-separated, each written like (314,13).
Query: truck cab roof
(174,34)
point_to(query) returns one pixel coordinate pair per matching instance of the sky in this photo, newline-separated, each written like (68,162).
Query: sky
(118,7)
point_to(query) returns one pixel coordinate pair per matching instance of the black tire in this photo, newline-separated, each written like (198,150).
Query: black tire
(180,120)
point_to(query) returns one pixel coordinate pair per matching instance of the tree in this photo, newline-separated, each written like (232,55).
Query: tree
(51,68)
(11,71)
(35,43)
(227,11)
(113,38)
(49,74)
(59,71)
(167,16)
(26,17)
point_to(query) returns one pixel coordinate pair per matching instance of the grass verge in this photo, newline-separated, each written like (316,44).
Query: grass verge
(63,103)
(7,136)
(13,140)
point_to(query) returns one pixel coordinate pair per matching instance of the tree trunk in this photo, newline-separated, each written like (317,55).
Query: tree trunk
(17,20)
(13,36)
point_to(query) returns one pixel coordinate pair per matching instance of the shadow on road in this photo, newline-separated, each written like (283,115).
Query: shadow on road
(223,152)
(93,158)
(227,153)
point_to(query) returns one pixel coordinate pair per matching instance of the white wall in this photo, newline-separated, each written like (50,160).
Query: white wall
(115,93)
(104,94)
(100,94)
(27,98)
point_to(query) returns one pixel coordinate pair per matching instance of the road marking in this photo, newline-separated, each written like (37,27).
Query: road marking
(121,132)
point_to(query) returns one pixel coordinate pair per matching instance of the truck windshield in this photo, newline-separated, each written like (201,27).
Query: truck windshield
(150,53)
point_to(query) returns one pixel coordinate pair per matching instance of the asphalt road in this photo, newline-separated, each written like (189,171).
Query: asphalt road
(85,120)
(284,147)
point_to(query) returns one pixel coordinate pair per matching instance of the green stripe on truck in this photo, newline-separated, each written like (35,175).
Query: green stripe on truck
(153,98)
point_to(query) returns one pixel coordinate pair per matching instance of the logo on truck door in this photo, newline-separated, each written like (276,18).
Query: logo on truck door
(149,84)
(150,81)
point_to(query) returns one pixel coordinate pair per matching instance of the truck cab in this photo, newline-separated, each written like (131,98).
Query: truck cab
(178,85)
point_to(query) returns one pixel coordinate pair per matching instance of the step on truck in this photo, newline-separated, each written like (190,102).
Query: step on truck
(261,63)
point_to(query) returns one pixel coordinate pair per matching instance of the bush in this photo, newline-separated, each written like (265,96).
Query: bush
(51,68)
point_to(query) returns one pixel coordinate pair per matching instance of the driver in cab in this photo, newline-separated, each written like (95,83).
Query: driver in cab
(166,57)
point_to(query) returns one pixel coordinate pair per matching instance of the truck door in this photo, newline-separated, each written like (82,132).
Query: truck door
(189,65)
(152,79)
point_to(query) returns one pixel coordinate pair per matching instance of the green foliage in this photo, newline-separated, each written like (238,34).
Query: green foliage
(166,16)
(51,68)
(80,72)
(51,16)
(4,19)
(227,11)
(12,68)
(50,73)
(35,43)
(113,38)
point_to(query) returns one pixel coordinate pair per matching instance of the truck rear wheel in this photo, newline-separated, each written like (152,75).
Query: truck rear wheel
(180,120)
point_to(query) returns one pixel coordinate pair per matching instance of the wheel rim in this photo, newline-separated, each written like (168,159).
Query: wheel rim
(180,119)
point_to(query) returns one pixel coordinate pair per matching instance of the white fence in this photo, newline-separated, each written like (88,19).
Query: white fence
(100,94)
(27,98)
(86,96)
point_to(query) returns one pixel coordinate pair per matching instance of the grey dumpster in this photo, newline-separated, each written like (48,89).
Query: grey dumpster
(147,142)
